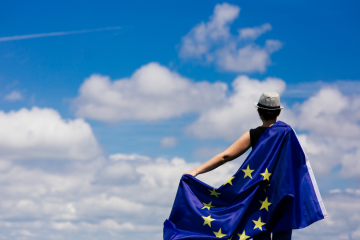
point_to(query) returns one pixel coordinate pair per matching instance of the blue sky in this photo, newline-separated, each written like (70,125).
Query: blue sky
(320,44)
(308,52)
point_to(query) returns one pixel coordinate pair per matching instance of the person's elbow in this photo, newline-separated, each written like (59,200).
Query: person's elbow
(226,157)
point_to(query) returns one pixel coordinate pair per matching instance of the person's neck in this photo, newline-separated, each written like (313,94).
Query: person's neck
(268,123)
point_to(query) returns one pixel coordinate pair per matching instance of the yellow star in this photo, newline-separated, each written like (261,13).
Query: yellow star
(266,175)
(208,206)
(219,234)
(208,220)
(243,236)
(230,238)
(265,204)
(258,223)
(266,187)
(229,181)
(248,172)
(213,192)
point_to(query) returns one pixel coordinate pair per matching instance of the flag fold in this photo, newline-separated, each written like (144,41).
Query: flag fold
(274,190)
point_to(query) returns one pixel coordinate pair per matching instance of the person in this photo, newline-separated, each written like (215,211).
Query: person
(269,109)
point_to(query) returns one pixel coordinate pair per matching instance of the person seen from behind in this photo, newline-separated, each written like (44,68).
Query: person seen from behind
(269,109)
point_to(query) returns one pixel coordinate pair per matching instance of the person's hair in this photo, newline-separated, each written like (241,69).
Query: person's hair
(268,114)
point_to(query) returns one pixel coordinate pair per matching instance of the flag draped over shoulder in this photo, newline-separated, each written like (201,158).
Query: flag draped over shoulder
(274,190)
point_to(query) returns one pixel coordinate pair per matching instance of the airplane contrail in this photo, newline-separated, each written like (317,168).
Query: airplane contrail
(52,34)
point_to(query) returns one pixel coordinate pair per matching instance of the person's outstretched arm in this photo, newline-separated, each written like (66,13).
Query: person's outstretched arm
(235,150)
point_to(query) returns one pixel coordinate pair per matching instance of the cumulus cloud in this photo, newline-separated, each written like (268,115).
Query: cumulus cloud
(119,197)
(237,115)
(199,40)
(212,42)
(330,112)
(343,218)
(88,201)
(168,142)
(13,96)
(42,134)
(330,121)
(139,98)
(153,92)
(250,58)
(327,123)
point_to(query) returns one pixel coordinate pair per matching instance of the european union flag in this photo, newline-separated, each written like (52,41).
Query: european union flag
(274,190)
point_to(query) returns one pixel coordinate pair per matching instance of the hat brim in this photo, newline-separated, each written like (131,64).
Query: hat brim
(271,109)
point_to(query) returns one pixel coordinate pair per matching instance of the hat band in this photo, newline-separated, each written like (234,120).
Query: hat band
(268,107)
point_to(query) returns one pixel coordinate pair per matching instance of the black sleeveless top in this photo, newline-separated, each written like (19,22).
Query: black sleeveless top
(255,134)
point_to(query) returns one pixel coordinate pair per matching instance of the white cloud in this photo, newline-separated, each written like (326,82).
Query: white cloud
(342,223)
(79,204)
(168,142)
(127,157)
(13,96)
(238,114)
(330,113)
(335,191)
(200,39)
(90,201)
(153,92)
(212,42)
(331,122)
(327,122)
(43,134)
(111,224)
(305,90)
(250,58)
(351,163)
(254,33)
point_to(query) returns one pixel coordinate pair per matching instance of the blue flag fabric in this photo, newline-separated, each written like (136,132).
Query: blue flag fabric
(274,190)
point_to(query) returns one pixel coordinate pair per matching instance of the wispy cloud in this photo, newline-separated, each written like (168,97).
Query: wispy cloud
(53,34)
(13,96)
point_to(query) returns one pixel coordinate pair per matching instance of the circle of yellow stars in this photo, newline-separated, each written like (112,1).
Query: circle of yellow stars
(264,205)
